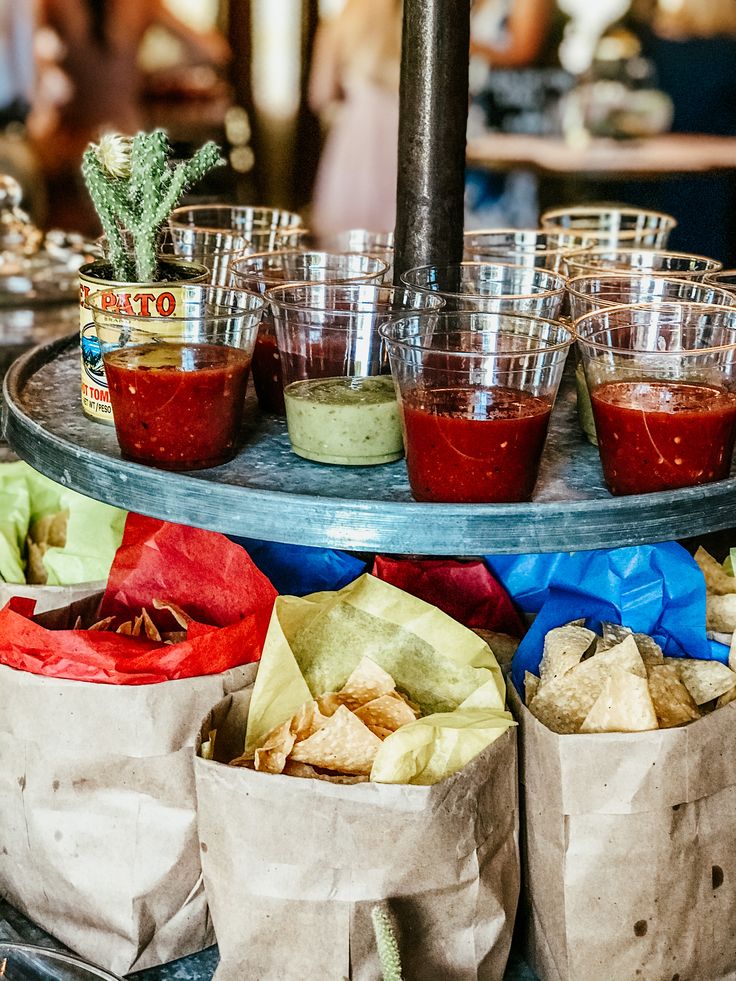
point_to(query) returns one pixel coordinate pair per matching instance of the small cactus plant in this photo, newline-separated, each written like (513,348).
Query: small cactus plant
(388,949)
(134,188)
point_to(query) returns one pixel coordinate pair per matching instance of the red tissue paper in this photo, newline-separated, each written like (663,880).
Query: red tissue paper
(207,576)
(466,591)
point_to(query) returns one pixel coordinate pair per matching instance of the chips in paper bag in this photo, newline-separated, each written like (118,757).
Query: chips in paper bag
(341,732)
(563,704)
(627,685)
(378,654)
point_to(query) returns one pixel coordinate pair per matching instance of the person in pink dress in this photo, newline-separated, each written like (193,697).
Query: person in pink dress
(354,84)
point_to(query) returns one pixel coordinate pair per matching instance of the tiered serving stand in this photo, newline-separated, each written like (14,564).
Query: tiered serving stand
(268,492)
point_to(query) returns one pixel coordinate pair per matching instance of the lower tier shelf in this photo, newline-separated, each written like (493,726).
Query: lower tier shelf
(267,492)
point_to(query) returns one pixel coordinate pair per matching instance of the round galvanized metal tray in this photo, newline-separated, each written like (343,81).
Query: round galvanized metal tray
(267,492)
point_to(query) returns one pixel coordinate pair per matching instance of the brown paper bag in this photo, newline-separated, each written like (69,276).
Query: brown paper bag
(293,867)
(98,841)
(50,597)
(630,846)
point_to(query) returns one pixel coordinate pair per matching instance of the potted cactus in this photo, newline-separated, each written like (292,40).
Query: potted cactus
(134,186)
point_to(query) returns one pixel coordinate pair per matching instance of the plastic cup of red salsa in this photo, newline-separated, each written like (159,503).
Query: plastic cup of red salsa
(492,286)
(177,380)
(662,381)
(476,391)
(615,288)
(263,271)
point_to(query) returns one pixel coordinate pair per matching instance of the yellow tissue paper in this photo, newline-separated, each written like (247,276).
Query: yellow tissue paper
(315,642)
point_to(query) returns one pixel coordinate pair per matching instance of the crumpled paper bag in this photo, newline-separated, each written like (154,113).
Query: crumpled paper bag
(94,530)
(98,838)
(630,848)
(293,867)
(314,643)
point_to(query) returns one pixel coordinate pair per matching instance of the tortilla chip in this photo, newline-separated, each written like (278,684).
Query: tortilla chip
(720,613)
(149,627)
(717,580)
(732,653)
(343,743)
(672,702)
(614,633)
(50,530)
(726,698)
(307,721)
(531,686)
(705,680)
(381,732)
(174,636)
(367,681)
(329,704)
(293,769)
(102,624)
(182,618)
(563,705)
(125,628)
(36,574)
(387,712)
(271,756)
(624,705)
(563,649)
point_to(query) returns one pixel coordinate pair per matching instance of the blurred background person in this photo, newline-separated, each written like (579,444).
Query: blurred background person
(96,84)
(515,80)
(692,45)
(17,64)
(354,87)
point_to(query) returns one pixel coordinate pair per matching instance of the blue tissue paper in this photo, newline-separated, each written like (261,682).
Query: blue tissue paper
(653,589)
(297,570)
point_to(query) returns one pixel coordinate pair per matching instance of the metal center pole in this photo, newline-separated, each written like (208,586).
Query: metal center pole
(432,124)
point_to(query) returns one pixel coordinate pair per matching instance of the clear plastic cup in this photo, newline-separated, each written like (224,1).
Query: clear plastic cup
(380,244)
(177,383)
(262,271)
(652,262)
(725,278)
(612,227)
(588,293)
(340,400)
(594,292)
(215,250)
(662,379)
(264,228)
(491,286)
(522,246)
(476,390)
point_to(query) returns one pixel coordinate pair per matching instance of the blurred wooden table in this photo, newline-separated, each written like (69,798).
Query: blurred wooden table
(603,159)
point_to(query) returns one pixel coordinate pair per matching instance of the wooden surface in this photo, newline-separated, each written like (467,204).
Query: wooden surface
(670,153)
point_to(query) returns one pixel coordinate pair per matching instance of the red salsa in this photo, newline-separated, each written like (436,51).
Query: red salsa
(473,445)
(178,406)
(267,376)
(658,435)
